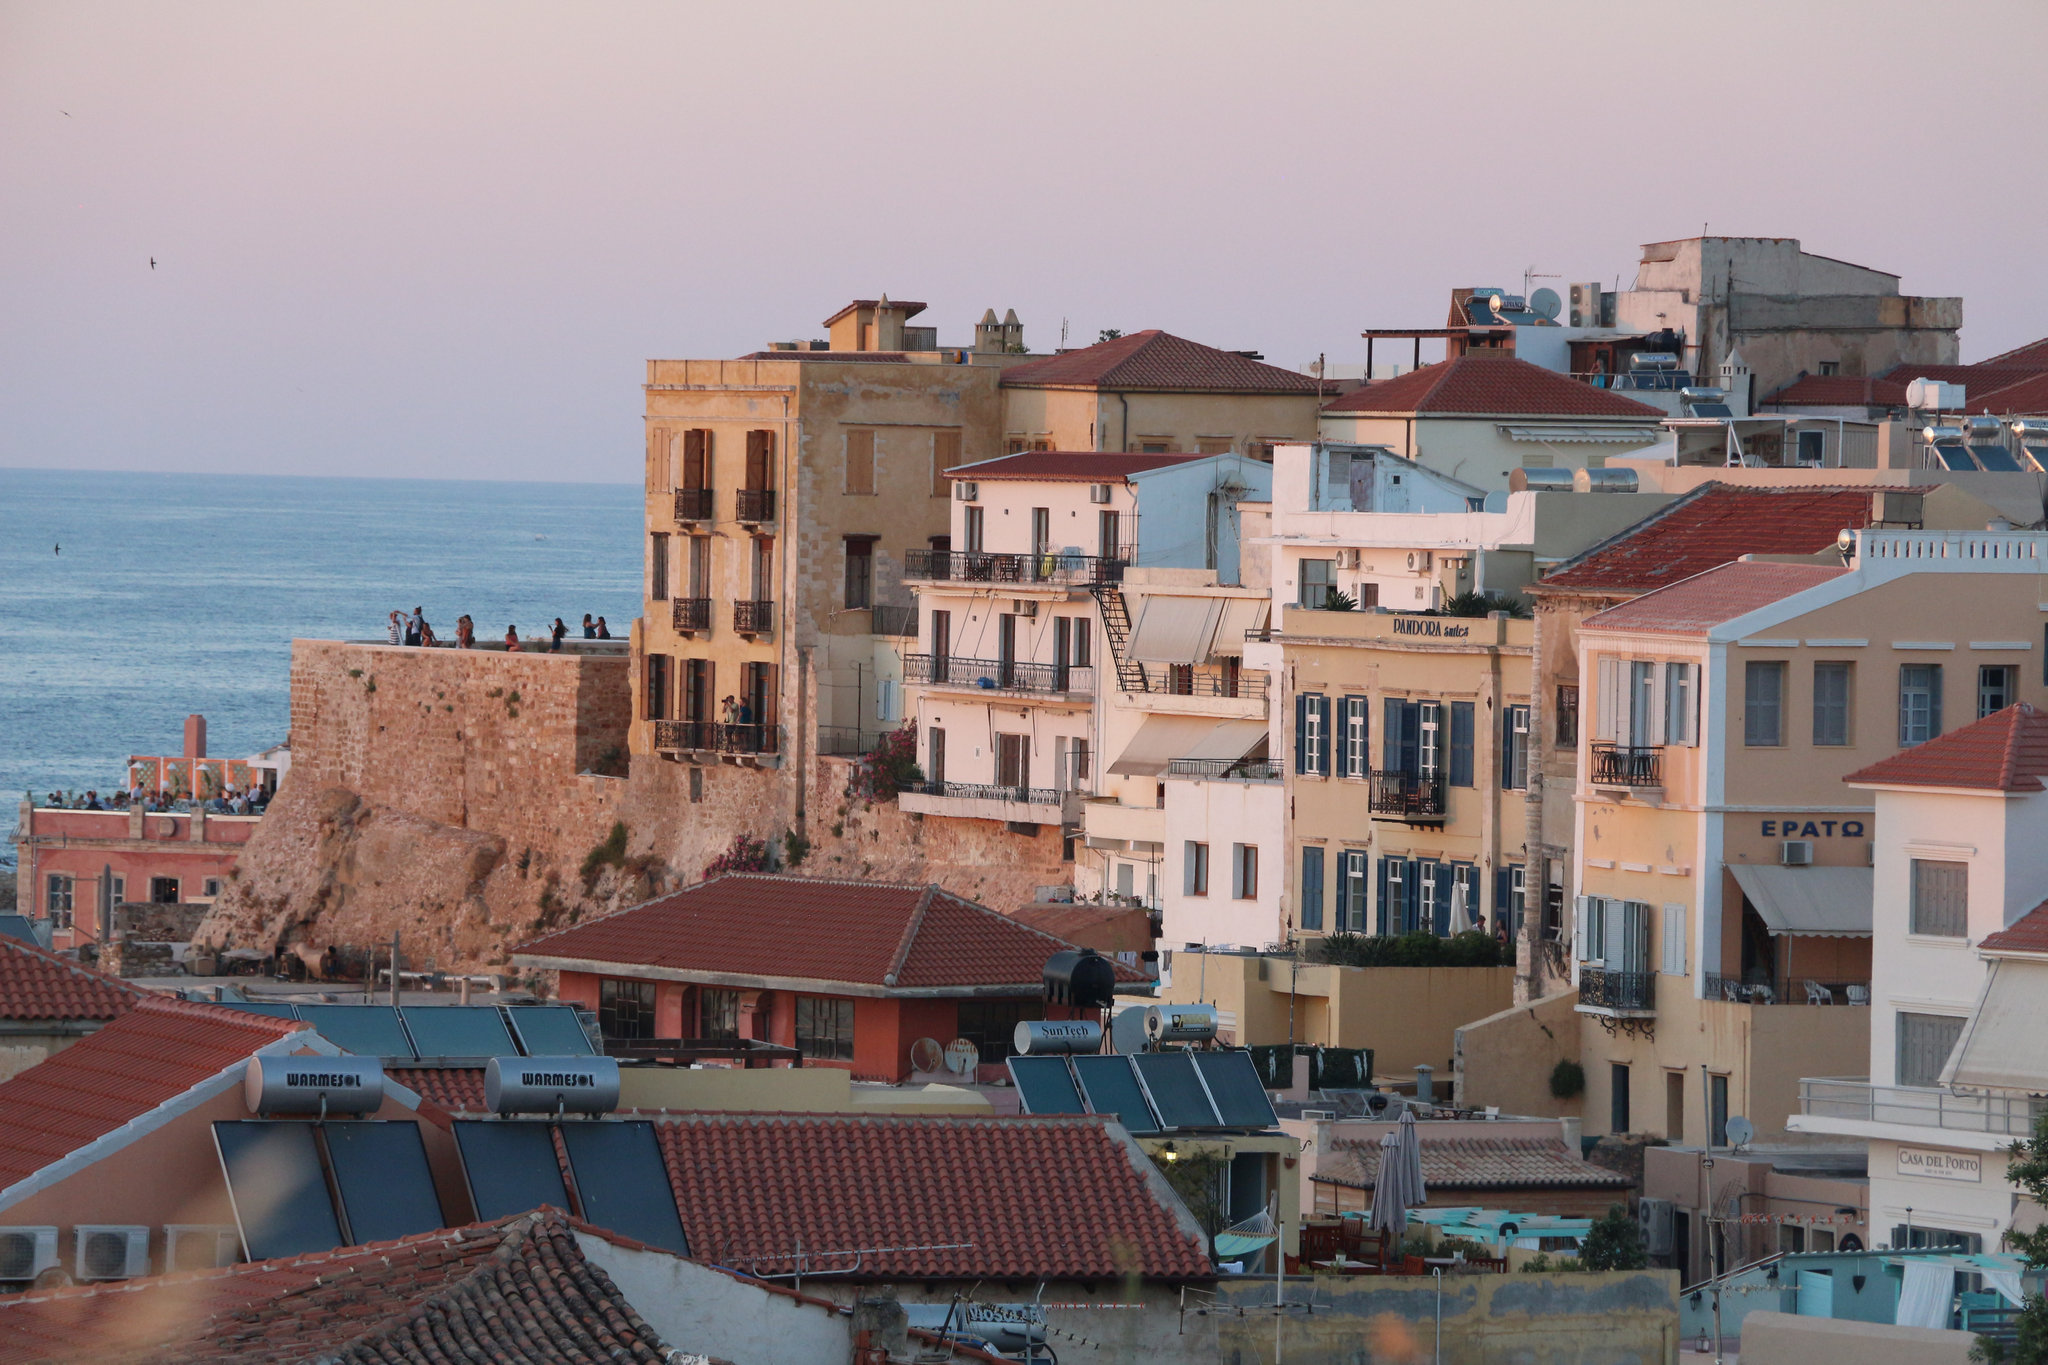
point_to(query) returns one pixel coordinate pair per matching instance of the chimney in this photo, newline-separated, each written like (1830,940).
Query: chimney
(195,737)
(1425,1087)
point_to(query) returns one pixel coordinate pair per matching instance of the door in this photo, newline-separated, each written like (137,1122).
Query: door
(935,769)
(1816,1287)
(696,459)
(1108,526)
(1013,761)
(1062,650)
(1641,703)
(973,530)
(760,460)
(1041,530)
(1006,648)
(942,644)
(700,566)
(764,569)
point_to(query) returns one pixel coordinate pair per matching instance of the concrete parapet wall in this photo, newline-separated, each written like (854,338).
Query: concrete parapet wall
(1504,1060)
(1788,1339)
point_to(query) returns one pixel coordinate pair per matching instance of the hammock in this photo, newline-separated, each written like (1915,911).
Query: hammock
(1255,1233)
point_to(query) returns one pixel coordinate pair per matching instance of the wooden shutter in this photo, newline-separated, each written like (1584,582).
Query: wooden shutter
(1610,723)
(945,455)
(1462,725)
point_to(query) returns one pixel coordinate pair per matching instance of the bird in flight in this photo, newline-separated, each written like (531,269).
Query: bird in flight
(152,263)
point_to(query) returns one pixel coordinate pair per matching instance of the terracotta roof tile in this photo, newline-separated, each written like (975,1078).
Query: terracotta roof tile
(456,1089)
(2033,355)
(1713,525)
(1105,928)
(1839,391)
(2027,934)
(862,933)
(2027,398)
(1706,600)
(1475,1163)
(1085,466)
(2005,751)
(38,984)
(150,1055)
(518,1289)
(1490,386)
(1054,1198)
(1157,360)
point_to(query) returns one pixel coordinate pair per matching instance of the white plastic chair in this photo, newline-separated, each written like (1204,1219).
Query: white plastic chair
(1858,995)
(1817,994)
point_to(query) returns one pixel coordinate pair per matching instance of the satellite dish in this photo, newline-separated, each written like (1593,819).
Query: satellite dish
(1741,1132)
(1545,303)
(1127,1030)
(962,1057)
(926,1055)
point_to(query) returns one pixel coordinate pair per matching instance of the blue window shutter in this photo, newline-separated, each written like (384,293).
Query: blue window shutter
(1390,735)
(1301,732)
(1934,702)
(1411,737)
(1503,892)
(1507,747)
(1411,913)
(1461,743)
(1311,888)
(1380,895)
(1446,884)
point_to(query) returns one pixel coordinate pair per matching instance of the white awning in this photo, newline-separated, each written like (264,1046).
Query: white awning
(1160,740)
(1240,614)
(1230,740)
(1810,902)
(1175,630)
(1632,436)
(2001,1045)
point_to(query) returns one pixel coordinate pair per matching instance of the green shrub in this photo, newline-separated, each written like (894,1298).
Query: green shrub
(1471,949)
(1614,1242)
(610,853)
(1567,1079)
(1484,604)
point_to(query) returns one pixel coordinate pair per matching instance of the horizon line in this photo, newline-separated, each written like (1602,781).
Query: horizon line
(346,478)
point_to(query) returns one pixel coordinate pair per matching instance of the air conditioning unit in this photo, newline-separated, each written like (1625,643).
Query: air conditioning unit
(200,1246)
(964,491)
(1421,559)
(1347,559)
(1023,608)
(26,1252)
(110,1253)
(1796,853)
(1098,492)
(1653,1216)
(1319,1115)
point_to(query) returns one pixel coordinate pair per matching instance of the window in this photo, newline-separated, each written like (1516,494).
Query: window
(1368,595)
(657,567)
(1717,1111)
(1674,939)
(1919,703)
(1617,1117)
(1997,688)
(212,886)
(973,518)
(1041,530)
(860,571)
(760,460)
(1393,895)
(1681,707)
(696,785)
(120,890)
(1312,734)
(945,455)
(860,461)
(163,890)
(991,1025)
(1196,879)
(935,757)
(1311,888)
(1553,900)
(1462,720)
(1244,872)
(1353,909)
(1219,445)
(1763,704)
(1083,642)
(1674,1105)
(700,566)
(824,1028)
(1510,897)
(1013,760)
(1925,1040)
(718,1014)
(1831,704)
(1567,714)
(697,459)
(1430,757)
(1317,583)
(1813,449)
(1830,367)
(57,902)
(625,1009)
(1941,898)
(654,705)
(1357,753)
(1514,748)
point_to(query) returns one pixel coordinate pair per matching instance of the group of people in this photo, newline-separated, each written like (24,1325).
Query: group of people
(414,630)
(250,802)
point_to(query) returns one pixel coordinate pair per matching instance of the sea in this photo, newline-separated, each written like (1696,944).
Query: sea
(131,600)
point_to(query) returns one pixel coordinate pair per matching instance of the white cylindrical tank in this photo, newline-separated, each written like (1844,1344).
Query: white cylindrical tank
(1181,1023)
(1046,1037)
(542,1085)
(299,1085)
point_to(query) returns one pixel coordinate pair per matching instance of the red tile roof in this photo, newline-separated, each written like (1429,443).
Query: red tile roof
(149,1056)
(1053,1198)
(2006,751)
(2027,934)
(1706,600)
(1839,391)
(1984,377)
(1479,385)
(2033,355)
(1475,1163)
(1714,524)
(1085,466)
(37,984)
(2028,398)
(879,935)
(1105,928)
(456,1089)
(519,1289)
(1156,360)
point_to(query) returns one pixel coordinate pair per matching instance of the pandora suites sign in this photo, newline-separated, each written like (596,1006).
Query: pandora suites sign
(1924,1161)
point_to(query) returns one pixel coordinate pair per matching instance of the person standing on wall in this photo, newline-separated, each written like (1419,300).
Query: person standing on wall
(555,636)
(589,627)
(397,629)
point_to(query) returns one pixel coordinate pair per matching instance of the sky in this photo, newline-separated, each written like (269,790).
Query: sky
(440,239)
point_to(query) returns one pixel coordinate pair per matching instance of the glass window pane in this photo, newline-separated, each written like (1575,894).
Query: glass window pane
(1763,704)
(1941,898)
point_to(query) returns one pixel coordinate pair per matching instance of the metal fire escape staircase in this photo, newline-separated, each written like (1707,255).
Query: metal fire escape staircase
(1116,629)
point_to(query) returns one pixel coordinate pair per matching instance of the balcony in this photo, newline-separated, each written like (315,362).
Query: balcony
(711,737)
(978,566)
(845,741)
(753,618)
(693,504)
(1631,766)
(692,613)
(1184,680)
(1414,797)
(754,505)
(1223,770)
(997,675)
(1612,992)
(1023,808)
(899,621)
(1857,1100)
(1780,991)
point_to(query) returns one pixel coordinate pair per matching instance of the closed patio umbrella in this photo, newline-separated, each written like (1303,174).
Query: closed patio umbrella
(1398,1187)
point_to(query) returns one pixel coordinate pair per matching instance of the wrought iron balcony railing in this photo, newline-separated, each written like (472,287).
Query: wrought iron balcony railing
(1224,769)
(753,618)
(886,620)
(692,613)
(845,741)
(997,675)
(1409,795)
(979,791)
(714,737)
(754,505)
(1628,765)
(978,566)
(694,504)
(1598,986)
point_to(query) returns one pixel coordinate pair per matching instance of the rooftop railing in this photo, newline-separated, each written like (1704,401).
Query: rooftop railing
(1847,1097)
(1224,769)
(1797,990)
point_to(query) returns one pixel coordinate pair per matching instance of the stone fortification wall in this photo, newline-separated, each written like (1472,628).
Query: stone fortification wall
(461,799)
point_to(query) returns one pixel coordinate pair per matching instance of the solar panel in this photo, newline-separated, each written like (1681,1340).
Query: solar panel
(1175,1090)
(1953,456)
(386,1189)
(1711,410)
(459,1031)
(624,1182)
(549,1031)
(266,1010)
(366,1030)
(1995,457)
(1045,1086)
(1112,1088)
(511,1167)
(2038,454)
(1235,1086)
(277,1187)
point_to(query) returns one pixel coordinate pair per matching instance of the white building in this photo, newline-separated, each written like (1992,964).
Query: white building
(1959,984)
